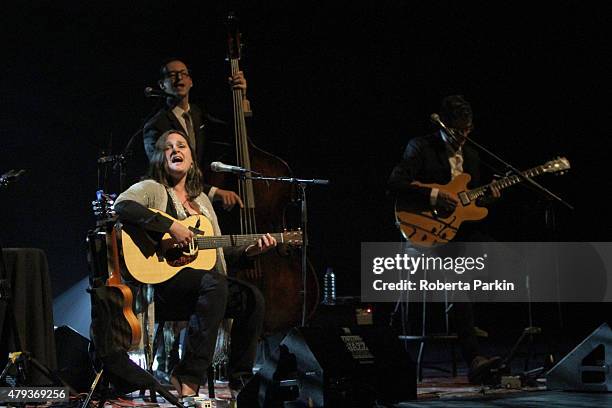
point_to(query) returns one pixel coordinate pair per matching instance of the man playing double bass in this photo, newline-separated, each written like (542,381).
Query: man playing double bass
(179,113)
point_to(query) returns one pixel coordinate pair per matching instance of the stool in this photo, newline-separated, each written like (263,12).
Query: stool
(450,338)
(445,337)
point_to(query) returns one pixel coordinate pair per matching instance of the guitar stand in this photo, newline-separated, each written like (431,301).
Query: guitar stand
(92,389)
(107,392)
(116,365)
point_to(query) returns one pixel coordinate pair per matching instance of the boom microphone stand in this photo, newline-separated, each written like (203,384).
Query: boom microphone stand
(301,184)
(120,160)
(435,118)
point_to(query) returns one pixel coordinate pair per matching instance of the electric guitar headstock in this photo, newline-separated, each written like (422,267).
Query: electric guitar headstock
(560,165)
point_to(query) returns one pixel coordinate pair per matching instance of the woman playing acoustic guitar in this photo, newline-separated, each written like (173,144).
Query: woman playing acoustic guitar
(203,297)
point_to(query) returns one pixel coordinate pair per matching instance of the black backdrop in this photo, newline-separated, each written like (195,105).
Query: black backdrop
(337,90)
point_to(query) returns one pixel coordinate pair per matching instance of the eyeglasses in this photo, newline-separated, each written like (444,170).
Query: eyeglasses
(176,74)
(463,130)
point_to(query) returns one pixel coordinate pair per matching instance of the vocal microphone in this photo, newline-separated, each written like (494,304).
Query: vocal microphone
(435,118)
(219,167)
(151,92)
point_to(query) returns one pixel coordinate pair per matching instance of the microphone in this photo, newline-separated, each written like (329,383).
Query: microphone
(151,92)
(435,118)
(10,176)
(219,167)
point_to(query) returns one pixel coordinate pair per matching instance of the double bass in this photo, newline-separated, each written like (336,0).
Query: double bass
(278,274)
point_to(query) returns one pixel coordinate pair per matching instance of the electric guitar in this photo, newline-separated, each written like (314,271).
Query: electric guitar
(150,263)
(426,228)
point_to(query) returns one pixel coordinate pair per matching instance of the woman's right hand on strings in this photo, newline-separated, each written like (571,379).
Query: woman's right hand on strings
(180,234)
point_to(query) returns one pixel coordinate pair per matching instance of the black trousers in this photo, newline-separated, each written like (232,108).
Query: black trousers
(204,298)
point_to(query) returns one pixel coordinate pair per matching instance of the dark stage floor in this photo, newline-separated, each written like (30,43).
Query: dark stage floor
(440,389)
(519,399)
(444,392)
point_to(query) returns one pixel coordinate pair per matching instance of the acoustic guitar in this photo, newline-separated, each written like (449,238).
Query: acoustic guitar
(150,263)
(426,228)
(124,325)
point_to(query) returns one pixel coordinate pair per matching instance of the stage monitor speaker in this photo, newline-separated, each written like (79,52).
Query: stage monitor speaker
(73,361)
(587,367)
(340,367)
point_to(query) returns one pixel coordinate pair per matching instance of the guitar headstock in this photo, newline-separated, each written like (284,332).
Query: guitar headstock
(103,205)
(294,238)
(559,165)
(10,177)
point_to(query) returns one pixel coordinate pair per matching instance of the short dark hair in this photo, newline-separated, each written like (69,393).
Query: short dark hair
(162,68)
(455,109)
(157,167)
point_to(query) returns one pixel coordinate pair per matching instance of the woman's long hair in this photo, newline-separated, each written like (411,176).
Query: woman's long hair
(159,172)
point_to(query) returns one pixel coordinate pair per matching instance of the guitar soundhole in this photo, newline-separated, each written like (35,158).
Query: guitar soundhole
(176,257)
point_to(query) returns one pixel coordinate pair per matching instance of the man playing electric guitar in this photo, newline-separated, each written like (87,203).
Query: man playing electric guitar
(437,159)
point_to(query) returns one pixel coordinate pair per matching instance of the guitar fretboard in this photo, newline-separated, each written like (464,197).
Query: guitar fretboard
(505,182)
(232,240)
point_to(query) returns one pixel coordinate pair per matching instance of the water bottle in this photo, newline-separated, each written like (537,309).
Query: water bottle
(329,287)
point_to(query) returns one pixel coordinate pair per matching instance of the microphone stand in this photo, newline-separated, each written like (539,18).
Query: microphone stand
(538,187)
(301,184)
(509,167)
(120,160)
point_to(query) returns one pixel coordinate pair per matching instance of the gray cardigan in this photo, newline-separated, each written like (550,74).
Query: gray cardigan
(152,194)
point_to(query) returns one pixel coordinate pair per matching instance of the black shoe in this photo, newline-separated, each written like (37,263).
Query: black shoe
(480,369)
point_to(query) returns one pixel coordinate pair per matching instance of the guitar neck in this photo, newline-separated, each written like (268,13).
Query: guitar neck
(223,241)
(504,182)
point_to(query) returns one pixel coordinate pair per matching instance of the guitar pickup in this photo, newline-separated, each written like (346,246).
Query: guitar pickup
(463,197)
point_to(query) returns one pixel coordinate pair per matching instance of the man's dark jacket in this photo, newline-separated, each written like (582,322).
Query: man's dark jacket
(425,159)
